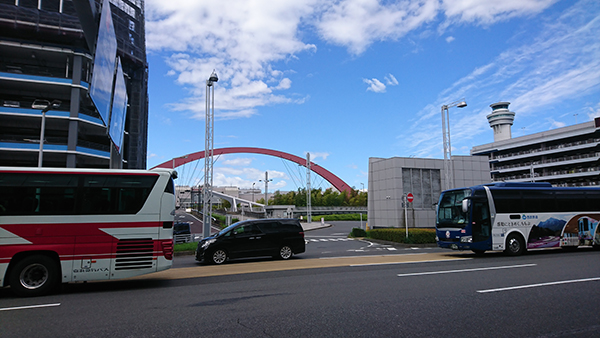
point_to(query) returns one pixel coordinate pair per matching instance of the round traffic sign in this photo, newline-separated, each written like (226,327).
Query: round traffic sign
(410,197)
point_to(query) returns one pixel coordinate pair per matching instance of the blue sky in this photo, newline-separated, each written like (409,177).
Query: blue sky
(347,80)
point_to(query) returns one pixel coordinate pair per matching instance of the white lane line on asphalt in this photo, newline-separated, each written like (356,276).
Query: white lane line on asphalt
(364,256)
(430,261)
(540,284)
(465,270)
(29,307)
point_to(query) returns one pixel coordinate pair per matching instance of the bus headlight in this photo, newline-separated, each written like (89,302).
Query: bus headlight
(466,239)
(207,243)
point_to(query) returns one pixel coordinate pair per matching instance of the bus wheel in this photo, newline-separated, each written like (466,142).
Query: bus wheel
(34,276)
(218,256)
(515,245)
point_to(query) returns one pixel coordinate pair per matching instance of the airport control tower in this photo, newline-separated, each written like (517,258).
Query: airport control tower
(501,119)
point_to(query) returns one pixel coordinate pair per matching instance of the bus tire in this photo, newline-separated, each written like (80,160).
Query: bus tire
(515,245)
(34,275)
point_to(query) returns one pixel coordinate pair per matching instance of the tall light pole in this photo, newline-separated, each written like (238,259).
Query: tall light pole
(176,158)
(266,180)
(308,191)
(45,106)
(253,183)
(208,154)
(448,167)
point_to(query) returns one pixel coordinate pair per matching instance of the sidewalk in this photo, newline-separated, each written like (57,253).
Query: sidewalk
(314,226)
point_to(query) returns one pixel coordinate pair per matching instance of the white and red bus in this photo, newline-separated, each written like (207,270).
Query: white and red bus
(61,225)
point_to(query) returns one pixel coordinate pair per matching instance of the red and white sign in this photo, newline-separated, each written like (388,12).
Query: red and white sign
(410,197)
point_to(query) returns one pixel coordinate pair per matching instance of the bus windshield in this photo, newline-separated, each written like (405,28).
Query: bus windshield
(450,214)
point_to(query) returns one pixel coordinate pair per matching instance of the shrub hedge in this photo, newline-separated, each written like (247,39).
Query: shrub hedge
(358,232)
(415,236)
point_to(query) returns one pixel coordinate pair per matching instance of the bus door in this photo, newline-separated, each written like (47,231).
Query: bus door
(481,224)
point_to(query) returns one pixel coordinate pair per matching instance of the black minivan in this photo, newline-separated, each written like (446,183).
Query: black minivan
(279,238)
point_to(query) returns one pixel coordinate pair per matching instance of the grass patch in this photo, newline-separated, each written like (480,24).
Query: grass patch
(190,246)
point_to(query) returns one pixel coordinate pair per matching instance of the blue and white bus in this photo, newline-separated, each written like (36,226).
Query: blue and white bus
(515,217)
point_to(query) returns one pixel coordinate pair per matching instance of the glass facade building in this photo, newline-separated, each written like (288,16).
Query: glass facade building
(44,55)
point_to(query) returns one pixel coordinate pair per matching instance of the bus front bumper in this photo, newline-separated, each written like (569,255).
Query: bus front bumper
(454,245)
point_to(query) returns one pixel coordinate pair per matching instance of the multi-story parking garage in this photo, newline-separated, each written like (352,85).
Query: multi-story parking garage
(45,56)
(565,156)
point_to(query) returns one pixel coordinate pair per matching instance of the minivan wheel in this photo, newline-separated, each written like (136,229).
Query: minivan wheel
(285,252)
(218,256)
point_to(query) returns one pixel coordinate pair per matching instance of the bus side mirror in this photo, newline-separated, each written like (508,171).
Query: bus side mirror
(465,205)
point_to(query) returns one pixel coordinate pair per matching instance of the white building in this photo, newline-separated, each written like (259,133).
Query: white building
(393,178)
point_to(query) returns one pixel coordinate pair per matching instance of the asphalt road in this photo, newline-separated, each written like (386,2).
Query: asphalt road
(419,292)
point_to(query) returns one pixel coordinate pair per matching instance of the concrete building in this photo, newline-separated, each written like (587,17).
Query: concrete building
(393,178)
(45,55)
(565,156)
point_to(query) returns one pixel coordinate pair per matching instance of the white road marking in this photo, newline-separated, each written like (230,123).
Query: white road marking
(434,260)
(465,270)
(362,256)
(29,307)
(540,284)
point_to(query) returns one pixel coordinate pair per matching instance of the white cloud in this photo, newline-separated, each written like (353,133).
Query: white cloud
(390,80)
(316,155)
(593,112)
(375,85)
(490,11)
(561,63)
(243,40)
(240,39)
(355,24)
(238,162)
(450,39)
(556,124)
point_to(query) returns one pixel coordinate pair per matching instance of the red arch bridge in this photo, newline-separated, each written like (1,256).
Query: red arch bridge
(335,181)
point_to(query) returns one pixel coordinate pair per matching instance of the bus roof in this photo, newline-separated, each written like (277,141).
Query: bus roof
(172,172)
(520,184)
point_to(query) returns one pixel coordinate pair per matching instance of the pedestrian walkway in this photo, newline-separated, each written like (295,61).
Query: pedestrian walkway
(314,226)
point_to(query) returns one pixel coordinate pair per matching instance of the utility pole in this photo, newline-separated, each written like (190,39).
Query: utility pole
(308,190)
(267,180)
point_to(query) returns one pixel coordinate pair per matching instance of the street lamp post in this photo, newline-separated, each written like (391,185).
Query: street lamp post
(45,106)
(266,180)
(253,183)
(308,191)
(208,154)
(448,167)
(176,158)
